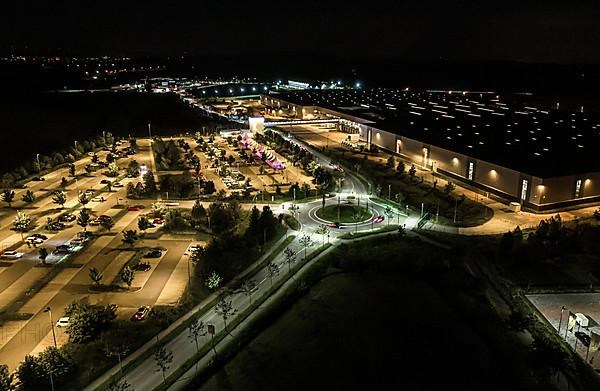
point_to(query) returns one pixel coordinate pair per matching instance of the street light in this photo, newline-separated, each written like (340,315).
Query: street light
(149,132)
(49,311)
(37,156)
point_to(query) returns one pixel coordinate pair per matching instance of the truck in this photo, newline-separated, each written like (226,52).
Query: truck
(582,320)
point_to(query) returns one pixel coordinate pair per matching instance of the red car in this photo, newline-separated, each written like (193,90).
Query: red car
(133,208)
(378,219)
(141,313)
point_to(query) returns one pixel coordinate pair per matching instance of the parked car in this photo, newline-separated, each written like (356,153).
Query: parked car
(11,254)
(90,191)
(85,234)
(38,178)
(142,266)
(76,242)
(55,226)
(95,222)
(133,208)
(583,337)
(104,182)
(68,217)
(333,225)
(63,322)
(34,240)
(196,247)
(62,249)
(98,199)
(141,313)
(153,254)
(117,184)
(20,186)
(158,221)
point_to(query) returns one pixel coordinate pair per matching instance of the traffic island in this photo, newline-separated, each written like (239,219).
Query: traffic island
(344,213)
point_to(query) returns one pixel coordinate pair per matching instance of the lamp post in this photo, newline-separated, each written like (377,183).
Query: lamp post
(389,191)
(149,131)
(49,311)
(561,316)
(37,156)
(76,150)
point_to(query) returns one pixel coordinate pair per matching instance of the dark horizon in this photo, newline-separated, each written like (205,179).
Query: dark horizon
(554,32)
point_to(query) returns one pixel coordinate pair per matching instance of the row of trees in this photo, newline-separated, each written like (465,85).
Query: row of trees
(298,156)
(55,159)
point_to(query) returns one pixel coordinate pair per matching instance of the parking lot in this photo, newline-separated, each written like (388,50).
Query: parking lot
(550,306)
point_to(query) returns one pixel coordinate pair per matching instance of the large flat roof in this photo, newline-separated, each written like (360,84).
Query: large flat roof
(538,141)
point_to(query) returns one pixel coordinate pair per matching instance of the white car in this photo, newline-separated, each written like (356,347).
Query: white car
(171,203)
(11,254)
(34,240)
(98,199)
(63,322)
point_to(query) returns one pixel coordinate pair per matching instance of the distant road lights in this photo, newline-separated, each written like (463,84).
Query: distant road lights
(204,91)
(253,88)
(242,89)
(357,85)
(265,88)
(231,91)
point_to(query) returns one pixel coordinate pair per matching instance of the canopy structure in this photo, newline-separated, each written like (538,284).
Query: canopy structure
(260,151)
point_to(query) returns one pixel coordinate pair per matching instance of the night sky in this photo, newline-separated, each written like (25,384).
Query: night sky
(551,31)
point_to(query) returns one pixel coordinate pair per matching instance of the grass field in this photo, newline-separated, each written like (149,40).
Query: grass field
(403,336)
(347,213)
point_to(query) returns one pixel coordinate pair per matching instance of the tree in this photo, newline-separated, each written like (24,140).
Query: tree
(449,187)
(163,359)
(412,171)
(248,287)
(113,169)
(196,329)
(95,276)
(290,257)
(21,223)
(198,213)
(133,169)
(28,197)
(32,375)
(59,197)
(306,241)
(149,183)
(43,254)
(8,196)
(83,219)
(6,379)
(322,230)
(83,198)
(107,223)
(225,309)
(127,275)
(118,385)
(272,271)
(58,362)
(391,162)
(130,236)
(213,281)
(400,168)
(143,223)
(157,211)
(87,321)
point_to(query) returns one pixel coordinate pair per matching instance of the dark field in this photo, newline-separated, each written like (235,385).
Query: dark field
(47,122)
(366,331)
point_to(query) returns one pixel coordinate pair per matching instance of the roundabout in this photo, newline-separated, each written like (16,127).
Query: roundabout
(344,213)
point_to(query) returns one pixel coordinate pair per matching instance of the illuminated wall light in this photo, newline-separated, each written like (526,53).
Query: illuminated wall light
(493,174)
(455,161)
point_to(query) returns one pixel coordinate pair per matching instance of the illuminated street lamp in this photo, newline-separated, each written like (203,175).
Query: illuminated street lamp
(37,156)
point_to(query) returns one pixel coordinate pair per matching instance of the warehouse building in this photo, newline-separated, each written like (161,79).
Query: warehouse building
(541,158)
